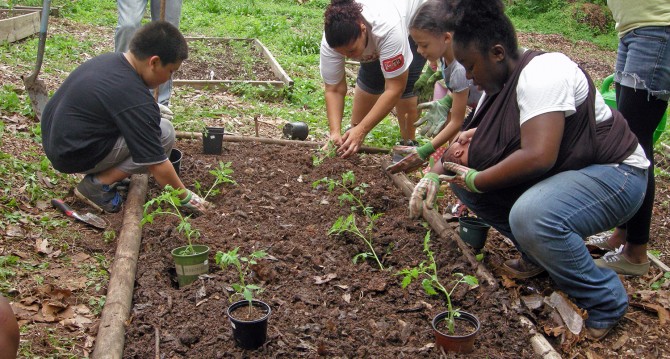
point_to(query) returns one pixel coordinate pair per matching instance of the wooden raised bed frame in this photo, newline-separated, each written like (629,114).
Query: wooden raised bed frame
(20,26)
(283,80)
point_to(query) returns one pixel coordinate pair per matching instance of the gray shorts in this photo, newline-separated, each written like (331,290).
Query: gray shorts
(371,79)
(119,156)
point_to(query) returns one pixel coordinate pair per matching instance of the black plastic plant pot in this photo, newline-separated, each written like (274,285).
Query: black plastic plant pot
(212,140)
(175,159)
(473,231)
(249,334)
(456,343)
(190,265)
(296,131)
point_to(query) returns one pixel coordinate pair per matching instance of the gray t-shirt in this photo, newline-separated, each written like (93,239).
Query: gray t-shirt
(455,80)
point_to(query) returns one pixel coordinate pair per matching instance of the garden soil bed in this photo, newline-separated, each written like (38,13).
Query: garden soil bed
(322,303)
(225,59)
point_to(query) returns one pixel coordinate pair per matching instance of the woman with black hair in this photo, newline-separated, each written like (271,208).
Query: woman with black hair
(548,165)
(375,33)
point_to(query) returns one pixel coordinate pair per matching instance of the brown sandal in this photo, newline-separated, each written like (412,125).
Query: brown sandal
(521,269)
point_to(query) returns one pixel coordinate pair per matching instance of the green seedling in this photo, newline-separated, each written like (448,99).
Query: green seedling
(348,224)
(660,283)
(109,236)
(433,285)
(352,194)
(221,176)
(324,153)
(243,265)
(170,198)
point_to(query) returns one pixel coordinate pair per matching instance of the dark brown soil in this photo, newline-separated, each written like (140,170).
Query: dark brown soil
(322,303)
(225,60)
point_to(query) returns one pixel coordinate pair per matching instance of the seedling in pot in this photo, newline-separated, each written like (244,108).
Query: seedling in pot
(221,176)
(170,198)
(243,266)
(433,285)
(323,153)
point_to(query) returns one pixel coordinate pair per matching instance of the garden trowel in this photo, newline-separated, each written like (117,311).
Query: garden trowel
(36,89)
(88,218)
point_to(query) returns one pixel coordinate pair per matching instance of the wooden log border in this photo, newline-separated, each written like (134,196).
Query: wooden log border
(112,329)
(276,141)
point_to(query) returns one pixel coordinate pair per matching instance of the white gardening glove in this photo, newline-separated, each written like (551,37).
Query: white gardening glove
(194,204)
(425,192)
(166,113)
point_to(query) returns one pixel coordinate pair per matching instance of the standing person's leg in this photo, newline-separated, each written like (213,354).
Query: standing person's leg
(369,86)
(406,107)
(550,220)
(172,15)
(129,20)
(642,91)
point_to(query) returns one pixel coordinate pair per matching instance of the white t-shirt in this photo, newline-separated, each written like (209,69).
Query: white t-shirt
(387,23)
(552,82)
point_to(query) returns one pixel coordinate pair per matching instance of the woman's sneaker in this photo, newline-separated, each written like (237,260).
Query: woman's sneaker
(101,196)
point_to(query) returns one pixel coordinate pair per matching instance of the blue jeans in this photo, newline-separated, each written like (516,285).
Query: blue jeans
(548,222)
(643,60)
(130,17)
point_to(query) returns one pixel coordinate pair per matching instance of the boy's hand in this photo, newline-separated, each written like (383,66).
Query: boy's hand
(194,204)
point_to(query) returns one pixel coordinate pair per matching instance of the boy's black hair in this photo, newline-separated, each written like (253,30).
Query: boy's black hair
(162,39)
(342,21)
(484,23)
(432,16)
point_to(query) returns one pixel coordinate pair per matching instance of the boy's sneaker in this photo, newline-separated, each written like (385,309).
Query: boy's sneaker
(100,196)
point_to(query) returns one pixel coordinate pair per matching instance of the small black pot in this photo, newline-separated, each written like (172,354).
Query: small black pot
(296,131)
(175,158)
(212,140)
(249,334)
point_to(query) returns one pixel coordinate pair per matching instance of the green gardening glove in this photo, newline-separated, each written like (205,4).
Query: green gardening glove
(424,86)
(434,120)
(463,176)
(422,82)
(413,157)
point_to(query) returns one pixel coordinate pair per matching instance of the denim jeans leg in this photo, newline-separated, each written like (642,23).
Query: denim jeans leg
(172,15)
(550,220)
(130,13)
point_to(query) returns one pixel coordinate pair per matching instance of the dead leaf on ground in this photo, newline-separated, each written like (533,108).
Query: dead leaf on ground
(42,246)
(15,231)
(654,308)
(324,279)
